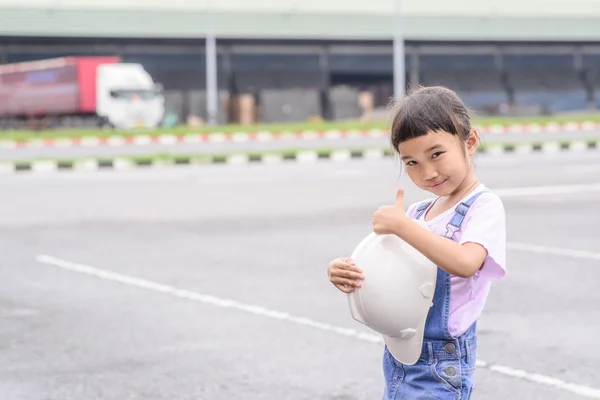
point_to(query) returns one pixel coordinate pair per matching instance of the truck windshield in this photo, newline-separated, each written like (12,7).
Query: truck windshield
(133,94)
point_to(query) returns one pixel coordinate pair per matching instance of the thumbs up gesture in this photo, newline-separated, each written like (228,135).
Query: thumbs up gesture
(387,219)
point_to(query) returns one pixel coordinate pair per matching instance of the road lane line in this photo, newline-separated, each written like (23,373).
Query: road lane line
(558,251)
(550,189)
(582,390)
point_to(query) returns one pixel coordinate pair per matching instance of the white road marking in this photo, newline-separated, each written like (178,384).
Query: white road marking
(591,169)
(552,189)
(554,250)
(584,391)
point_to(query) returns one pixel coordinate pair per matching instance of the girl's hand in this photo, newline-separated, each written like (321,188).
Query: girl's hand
(387,219)
(344,274)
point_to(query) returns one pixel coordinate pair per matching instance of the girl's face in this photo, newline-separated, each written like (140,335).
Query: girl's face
(439,162)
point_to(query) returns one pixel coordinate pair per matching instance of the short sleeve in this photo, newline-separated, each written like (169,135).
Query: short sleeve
(485,224)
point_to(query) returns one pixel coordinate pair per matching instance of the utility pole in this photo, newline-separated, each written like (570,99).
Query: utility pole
(399,68)
(212,103)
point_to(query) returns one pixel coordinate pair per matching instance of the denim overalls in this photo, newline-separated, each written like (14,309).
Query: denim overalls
(447,364)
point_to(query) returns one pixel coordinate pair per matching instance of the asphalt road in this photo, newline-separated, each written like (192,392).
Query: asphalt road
(114,284)
(198,148)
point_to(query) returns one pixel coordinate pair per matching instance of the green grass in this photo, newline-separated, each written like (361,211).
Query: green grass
(293,127)
(537,120)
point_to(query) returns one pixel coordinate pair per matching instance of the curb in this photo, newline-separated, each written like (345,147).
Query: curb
(267,136)
(300,156)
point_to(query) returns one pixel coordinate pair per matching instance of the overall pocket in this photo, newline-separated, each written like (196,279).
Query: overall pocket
(448,372)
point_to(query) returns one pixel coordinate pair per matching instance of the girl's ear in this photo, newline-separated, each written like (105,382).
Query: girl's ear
(472,142)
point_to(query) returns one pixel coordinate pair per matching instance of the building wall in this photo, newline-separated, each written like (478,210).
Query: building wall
(484,20)
(432,8)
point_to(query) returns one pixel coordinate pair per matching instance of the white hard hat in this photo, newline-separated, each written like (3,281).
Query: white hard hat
(396,294)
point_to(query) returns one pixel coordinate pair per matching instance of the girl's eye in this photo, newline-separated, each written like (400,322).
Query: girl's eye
(437,154)
(410,163)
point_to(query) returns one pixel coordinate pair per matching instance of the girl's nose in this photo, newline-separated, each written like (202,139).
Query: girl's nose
(430,174)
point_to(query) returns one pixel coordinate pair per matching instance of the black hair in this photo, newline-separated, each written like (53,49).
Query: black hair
(429,109)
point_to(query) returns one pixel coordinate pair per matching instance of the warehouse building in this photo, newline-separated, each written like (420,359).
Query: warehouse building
(285,60)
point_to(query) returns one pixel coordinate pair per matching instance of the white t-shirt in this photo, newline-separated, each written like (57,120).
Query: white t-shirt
(485,224)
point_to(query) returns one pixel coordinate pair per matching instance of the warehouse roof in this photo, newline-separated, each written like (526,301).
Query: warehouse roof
(484,20)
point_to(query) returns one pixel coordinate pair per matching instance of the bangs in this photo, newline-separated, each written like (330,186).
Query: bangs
(429,110)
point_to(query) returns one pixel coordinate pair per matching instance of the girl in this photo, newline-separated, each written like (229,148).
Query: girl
(432,133)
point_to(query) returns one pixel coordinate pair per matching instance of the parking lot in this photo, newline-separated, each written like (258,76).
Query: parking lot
(210,282)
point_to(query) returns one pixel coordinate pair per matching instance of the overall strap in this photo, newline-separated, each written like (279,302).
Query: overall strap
(459,215)
(421,209)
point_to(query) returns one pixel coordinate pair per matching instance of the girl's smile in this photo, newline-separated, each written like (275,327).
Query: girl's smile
(437,185)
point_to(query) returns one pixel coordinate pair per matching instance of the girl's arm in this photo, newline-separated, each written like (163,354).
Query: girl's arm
(456,259)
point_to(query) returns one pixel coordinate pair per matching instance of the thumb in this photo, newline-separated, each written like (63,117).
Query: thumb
(399,198)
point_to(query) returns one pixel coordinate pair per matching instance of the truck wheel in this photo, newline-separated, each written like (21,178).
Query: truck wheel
(105,124)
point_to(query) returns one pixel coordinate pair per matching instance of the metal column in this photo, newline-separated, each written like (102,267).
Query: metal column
(399,68)
(212,103)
